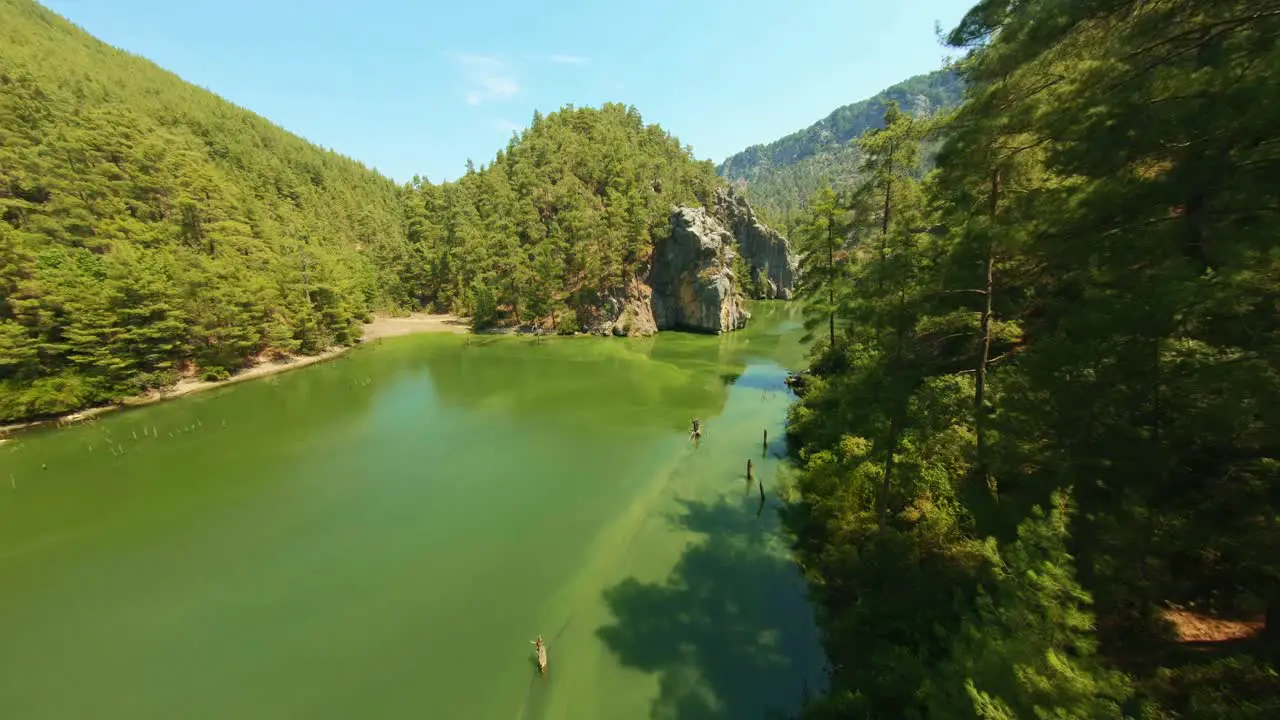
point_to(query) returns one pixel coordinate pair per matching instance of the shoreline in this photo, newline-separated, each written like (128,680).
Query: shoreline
(380,328)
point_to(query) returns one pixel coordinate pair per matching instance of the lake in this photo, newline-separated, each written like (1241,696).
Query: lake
(383,535)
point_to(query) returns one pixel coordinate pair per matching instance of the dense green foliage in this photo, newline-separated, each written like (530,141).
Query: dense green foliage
(562,219)
(147,226)
(782,175)
(149,229)
(1051,409)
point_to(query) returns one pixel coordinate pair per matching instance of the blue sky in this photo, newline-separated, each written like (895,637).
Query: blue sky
(420,87)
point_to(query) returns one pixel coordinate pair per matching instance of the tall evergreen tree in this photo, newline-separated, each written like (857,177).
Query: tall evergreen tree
(823,248)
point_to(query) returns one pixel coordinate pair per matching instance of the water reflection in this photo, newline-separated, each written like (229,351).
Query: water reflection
(728,632)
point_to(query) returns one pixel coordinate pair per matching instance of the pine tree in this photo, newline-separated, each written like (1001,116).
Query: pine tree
(822,246)
(1028,650)
(1080,300)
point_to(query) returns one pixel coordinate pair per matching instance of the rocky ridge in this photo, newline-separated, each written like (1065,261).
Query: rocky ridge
(691,284)
(766,251)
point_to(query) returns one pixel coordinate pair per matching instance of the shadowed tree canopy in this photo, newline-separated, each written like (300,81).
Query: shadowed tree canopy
(727,632)
(1042,454)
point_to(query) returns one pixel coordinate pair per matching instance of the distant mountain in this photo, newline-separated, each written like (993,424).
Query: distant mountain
(780,176)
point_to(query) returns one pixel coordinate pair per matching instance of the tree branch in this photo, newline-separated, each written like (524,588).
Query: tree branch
(1231,23)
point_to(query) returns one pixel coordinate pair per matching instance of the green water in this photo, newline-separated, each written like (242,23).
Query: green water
(382,536)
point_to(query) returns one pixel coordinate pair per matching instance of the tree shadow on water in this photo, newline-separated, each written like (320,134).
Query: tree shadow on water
(730,631)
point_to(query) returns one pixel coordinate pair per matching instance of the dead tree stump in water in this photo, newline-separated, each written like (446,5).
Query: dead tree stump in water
(541,654)
(751,475)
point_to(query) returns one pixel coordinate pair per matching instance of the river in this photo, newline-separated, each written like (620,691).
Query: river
(383,535)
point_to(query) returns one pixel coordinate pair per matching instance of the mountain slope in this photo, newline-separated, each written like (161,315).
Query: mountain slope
(562,220)
(150,230)
(148,227)
(783,174)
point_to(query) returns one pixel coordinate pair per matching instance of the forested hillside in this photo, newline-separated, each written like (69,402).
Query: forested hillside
(149,225)
(151,229)
(1041,436)
(563,218)
(783,174)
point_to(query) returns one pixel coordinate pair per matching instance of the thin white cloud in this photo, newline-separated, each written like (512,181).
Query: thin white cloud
(565,59)
(506,125)
(488,78)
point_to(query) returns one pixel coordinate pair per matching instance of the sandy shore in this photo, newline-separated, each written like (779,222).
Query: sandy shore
(381,327)
(416,323)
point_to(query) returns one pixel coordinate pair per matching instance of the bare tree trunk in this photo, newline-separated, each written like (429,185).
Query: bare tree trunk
(831,279)
(979,415)
(306,278)
(888,206)
(895,421)
(887,482)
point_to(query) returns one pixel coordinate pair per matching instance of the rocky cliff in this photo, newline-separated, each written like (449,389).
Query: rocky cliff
(693,285)
(690,283)
(632,314)
(766,252)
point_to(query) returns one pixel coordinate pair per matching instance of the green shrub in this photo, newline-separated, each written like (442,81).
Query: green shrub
(567,323)
(214,374)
